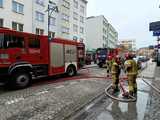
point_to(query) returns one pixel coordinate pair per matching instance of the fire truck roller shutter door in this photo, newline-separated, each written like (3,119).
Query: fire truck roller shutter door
(71,57)
(57,55)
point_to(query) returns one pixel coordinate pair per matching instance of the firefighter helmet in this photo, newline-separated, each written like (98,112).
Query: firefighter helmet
(128,55)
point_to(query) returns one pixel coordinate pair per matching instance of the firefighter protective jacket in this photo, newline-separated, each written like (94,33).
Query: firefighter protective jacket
(131,67)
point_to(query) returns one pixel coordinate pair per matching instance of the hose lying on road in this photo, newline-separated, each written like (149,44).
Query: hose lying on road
(130,99)
(155,88)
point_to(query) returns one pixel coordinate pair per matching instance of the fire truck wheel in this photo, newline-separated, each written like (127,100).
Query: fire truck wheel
(71,71)
(21,80)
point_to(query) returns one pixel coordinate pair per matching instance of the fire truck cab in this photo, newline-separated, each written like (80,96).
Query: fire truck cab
(25,56)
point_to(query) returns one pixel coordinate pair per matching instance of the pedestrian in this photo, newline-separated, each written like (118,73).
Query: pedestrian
(131,71)
(115,74)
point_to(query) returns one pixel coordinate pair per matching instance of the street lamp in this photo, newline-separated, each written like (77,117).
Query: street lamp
(52,7)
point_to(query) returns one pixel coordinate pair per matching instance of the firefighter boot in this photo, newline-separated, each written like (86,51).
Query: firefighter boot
(115,89)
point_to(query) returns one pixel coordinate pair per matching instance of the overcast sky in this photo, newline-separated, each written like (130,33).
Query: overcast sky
(130,18)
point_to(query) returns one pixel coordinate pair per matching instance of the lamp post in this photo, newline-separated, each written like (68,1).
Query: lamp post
(52,7)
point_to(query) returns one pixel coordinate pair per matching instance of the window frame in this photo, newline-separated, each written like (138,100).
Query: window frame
(17,26)
(75,2)
(65,17)
(32,42)
(82,9)
(65,30)
(18,7)
(75,16)
(39,31)
(81,19)
(40,16)
(81,30)
(1,22)
(52,21)
(75,28)
(40,2)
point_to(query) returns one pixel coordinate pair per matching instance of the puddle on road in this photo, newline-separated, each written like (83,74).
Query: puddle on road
(129,111)
(107,109)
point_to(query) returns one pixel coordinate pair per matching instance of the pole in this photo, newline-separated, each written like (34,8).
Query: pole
(48,21)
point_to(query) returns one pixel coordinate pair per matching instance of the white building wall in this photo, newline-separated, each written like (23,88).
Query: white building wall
(93,33)
(30,22)
(100,33)
(69,24)
(9,16)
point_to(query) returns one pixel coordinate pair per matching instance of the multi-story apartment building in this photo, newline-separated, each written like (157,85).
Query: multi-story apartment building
(100,33)
(32,16)
(13,14)
(128,44)
(73,17)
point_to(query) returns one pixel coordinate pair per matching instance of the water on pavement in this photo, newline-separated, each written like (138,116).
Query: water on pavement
(109,109)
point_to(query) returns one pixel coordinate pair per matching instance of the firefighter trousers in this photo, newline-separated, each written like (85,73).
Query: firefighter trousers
(115,81)
(132,84)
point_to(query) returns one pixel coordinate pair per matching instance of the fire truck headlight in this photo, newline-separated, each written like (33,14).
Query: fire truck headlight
(4,56)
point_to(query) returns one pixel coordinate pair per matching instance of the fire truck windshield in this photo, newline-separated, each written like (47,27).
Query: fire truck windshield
(9,41)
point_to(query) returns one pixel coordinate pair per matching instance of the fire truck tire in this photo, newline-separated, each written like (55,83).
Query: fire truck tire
(21,80)
(71,71)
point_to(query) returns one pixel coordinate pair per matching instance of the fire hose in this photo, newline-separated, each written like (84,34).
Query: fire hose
(126,97)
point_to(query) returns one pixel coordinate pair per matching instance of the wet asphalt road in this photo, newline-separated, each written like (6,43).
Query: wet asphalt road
(103,109)
(109,109)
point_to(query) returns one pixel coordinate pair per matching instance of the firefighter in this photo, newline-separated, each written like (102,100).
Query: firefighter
(109,65)
(132,71)
(115,70)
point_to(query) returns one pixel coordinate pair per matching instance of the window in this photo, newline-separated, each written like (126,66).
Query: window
(1,3)
(9,41)
(104,31)
(65,30)
(34,42)
(75,28)
(65,17)
(81,30)
(81,19)
(66,4)
(75,4)
(51,34)
(81,39)
(17,26)
(75,16)
(39,31)
(17,7)
(39,16)
(1,22)
(105,23)
(104,38)
(52,21)
(81,9)
(40,2)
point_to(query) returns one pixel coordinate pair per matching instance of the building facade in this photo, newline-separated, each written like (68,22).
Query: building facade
(145,51)
(100,33)
(32,16)
(128,44)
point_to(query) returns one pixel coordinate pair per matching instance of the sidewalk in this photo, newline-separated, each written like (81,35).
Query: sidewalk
(149,71)
(153,106)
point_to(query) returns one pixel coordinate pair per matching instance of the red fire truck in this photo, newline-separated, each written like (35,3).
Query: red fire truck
(25,56)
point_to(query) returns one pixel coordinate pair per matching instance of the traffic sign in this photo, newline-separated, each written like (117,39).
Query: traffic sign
(156,33)
(154,26)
